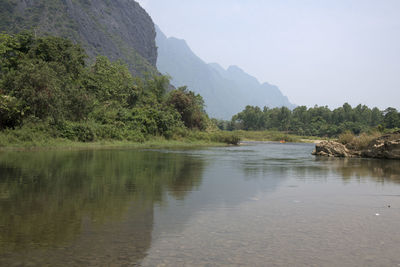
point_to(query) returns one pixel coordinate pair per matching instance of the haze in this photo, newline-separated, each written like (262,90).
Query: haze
(317,52)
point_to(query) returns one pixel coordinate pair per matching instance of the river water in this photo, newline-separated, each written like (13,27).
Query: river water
(260,204)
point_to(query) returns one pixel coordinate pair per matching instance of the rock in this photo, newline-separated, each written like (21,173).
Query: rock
(384,148)
(331,149)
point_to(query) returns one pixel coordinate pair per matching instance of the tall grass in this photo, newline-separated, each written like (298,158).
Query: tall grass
(359,142)
(270,136)
(91,134)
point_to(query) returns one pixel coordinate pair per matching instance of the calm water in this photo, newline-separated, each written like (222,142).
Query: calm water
(255,205)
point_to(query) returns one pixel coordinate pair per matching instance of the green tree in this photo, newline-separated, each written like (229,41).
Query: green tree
(251,118)
(11,112)
(190,106)
(391,118)
(110,82)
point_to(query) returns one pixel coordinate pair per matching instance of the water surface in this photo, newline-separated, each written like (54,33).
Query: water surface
(254,205)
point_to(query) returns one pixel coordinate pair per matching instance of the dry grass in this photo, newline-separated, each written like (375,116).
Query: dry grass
(359,142)
(346,138)
(395,136)
(270,136)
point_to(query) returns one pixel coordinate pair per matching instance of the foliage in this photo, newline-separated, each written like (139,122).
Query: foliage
(110,81)
(190,106)
(346,137)
(359,142)
(11,112)
(315,121)
(216,136)
(269,135)
(46,87)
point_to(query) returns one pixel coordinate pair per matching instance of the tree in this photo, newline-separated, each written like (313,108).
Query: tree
(190,106)
(391,118)
(110,81)
(11,112)
(45,75)
(376,117)
(284,117)
(251,118)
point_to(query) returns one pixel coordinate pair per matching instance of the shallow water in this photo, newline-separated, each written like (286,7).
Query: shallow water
(262,204)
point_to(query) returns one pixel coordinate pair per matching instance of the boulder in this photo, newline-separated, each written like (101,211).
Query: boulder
(383,147)
(332,149)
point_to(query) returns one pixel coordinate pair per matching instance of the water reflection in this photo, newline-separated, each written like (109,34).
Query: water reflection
(88,206)
(377,170)
(122,207)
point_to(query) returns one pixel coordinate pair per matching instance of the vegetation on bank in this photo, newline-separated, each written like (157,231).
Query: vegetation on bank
(362,141)
(51,97)
(271,135)
(48,94)
(316,121)
(154,142)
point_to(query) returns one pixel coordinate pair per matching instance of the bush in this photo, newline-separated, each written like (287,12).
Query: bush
(357,142)
(135,136)
(155,120)
(190,106)
(11,112)
(227,137)
(362,141)
(346,137)
(76,131)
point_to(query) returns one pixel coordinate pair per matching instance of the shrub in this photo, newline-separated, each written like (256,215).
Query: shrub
(11,112)
(357,142)
(363,140)
(346,137)
(82,132)
(228,138)
(190,106)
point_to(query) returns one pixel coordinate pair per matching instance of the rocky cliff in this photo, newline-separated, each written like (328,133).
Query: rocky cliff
(226,91)
(118,29)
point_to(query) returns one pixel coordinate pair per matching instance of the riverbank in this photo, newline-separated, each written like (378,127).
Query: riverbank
(276,136)
(73,145)
(18,140)
(385,146)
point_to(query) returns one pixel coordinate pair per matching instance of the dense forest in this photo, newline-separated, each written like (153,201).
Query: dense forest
(47,88)
(315,121)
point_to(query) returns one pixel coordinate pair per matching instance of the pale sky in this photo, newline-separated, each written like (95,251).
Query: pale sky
(317,51)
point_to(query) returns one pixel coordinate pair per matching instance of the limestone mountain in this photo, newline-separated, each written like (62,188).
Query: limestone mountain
(118,29)
(226,92)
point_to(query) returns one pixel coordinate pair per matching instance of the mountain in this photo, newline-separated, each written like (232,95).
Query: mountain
(226,92)
(118,29)
(122,30)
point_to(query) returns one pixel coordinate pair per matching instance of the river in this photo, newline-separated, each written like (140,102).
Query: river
(259,204)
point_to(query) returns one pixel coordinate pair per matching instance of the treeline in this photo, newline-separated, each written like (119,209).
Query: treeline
(46,84)
(315,121)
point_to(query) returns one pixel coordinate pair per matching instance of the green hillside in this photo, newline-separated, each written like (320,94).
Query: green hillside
(118,29)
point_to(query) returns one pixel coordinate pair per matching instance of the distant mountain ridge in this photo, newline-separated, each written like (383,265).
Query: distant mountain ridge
(119,29)
(226,92)
(122,30)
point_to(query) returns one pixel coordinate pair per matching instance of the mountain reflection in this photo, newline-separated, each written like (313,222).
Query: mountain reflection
(86,207)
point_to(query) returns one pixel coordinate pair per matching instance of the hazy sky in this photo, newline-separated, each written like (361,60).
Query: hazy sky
(317,51)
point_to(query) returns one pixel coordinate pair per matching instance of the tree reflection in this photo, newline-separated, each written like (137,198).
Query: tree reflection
(87,207)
